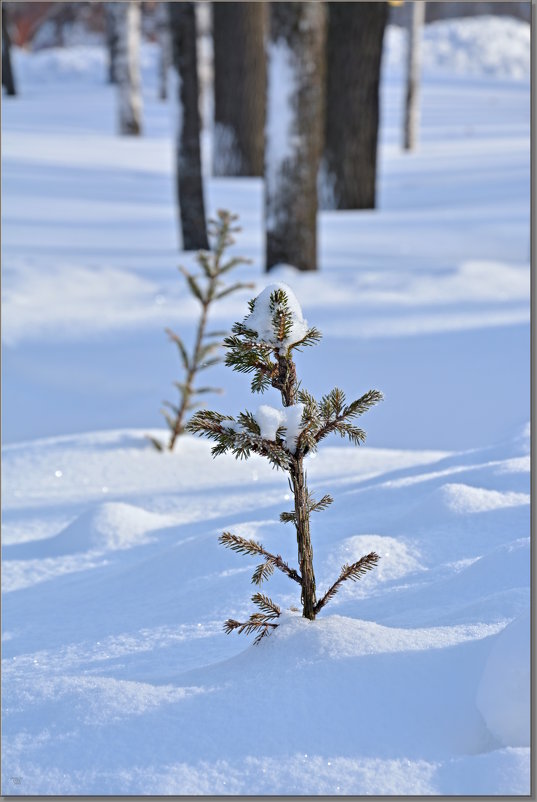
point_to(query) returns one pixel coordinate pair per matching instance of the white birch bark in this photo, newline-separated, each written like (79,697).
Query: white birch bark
(128,68)
(412,100)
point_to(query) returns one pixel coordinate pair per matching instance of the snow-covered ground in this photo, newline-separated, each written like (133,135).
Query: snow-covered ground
(117,677)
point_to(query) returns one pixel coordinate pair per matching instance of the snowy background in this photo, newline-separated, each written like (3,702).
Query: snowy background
(117,677)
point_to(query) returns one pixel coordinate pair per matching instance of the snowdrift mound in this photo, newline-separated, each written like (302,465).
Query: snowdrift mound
(75,64)
(453,500)
(491,46)
(380,698)
(107,527)
(397,559)
(485,46)
(343,678)
(489,515)
(503,695)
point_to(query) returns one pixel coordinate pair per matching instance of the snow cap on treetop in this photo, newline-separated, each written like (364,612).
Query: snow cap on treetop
(260,320)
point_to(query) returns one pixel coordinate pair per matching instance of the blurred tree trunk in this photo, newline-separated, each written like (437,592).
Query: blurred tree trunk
(354,49)
(412,100)
(188,157)
(239,87)
(8,80)
(128,68)
(294,132)
(163,35)
(112,13)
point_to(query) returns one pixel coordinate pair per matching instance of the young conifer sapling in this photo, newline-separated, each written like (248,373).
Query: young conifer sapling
(207,287)
(263,345)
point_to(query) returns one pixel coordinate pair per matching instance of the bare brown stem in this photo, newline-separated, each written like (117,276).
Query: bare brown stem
(189,381)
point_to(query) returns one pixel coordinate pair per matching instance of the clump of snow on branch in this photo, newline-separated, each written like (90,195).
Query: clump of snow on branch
(260,319)
(269,419)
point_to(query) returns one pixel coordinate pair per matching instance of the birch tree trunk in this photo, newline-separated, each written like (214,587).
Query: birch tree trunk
(112,14)
(8,80)
(354,49)
(128,68)
(189,185)
(412,100)
(294,129)
(240,78)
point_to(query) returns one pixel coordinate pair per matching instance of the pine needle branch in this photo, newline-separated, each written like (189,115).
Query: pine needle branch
(266,605)
(335,414)
(253,548)
(313,336)
(262,572)
(311,506)
(288,517)
(352,572)
(261,623)
(322,504)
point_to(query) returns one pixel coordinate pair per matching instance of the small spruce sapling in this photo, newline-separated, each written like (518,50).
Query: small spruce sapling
(207,287)
(263,345)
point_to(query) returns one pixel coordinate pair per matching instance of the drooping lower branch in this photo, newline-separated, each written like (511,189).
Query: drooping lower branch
(260,622)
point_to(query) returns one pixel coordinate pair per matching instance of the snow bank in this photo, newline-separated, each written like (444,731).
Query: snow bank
(78,64)
(485,46)
(395,701)
(503,695)
(106,527)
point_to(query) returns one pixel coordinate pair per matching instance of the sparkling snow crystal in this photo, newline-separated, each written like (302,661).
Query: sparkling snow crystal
(260,320)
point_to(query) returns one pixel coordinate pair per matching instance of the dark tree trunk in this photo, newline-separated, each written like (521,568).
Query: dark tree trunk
(112,39)
(163,36)
(354,50)
(8,80)
(239,87)
(294,132)
(188,156)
